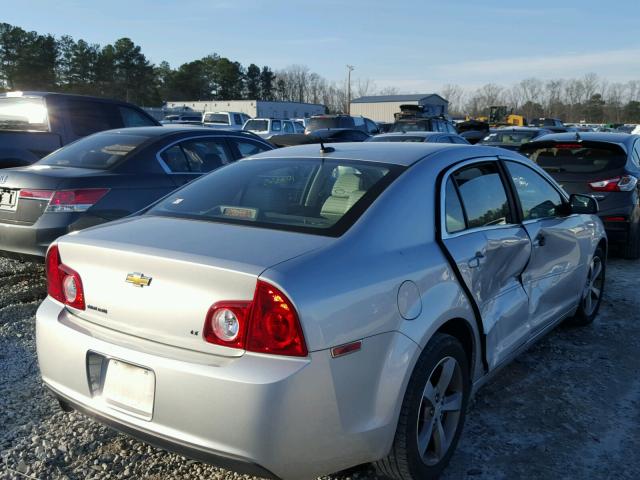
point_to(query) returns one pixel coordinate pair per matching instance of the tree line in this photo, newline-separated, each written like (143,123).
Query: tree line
(33,61)
(590,98)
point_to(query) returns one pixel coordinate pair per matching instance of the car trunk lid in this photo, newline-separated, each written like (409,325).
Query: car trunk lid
(26,211)
(189,265)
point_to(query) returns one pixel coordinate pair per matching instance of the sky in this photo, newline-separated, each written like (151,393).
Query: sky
(415,46)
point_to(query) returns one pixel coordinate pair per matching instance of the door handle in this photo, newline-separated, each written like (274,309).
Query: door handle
(540,240)
(474,262)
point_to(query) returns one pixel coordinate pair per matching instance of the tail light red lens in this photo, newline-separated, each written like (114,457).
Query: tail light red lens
(66,200)
(226,324)
(36,194)
(63,283)
(274,326)
(624,183)
(268,324)
(75,200)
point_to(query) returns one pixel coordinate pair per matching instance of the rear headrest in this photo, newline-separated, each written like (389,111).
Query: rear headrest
(345,185)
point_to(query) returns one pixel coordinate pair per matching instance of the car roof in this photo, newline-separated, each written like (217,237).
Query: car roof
(396,153)
(414,134)
(625,139)
(522,129)
(32,93)
(173,129)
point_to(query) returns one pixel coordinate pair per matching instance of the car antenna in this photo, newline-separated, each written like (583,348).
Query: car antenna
(324,149)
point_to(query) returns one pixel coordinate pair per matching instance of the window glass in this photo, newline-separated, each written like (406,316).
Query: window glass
(537,197)
(636,154)
(88,117)
(257,125)
(311,195)
(133,118)
(575,158)
(358,121)
(450,128)
(175,159)
(101,151)
(459,140)
(453,209)
(483,195)
(23,113)
(288,127)
(204,155)
(220,118)
(247,148)
(396,138)
(237,119)
(276,125)
(371,127)
(299,127)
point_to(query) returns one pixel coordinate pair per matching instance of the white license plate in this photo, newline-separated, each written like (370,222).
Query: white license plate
(129,388)
(8,199)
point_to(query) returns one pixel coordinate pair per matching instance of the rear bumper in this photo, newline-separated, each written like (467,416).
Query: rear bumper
(617,231)
(239,465)
(271,416)
(28,241)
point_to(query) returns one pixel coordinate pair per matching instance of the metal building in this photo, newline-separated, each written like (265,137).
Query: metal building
(382,107)
(253,108)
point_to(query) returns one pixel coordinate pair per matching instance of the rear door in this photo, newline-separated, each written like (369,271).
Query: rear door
(189,158)
(490,250)
(555,275)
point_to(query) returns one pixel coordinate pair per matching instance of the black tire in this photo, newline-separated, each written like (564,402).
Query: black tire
(631,249)
(582,316)
(404,462)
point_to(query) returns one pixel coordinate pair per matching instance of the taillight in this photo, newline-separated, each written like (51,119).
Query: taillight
(36,194)
(75,200)
(78,200)
(267,324)
(226,324)
(274,326)
(63,283)
(625,183)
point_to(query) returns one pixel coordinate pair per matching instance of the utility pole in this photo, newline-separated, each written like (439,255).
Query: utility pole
(349,70)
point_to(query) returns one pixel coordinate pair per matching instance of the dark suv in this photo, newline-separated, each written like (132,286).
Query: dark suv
(34,124)
(553,124)
(604,165)
(323,122)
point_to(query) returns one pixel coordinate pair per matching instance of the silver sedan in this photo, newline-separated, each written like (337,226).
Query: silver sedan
(307,310)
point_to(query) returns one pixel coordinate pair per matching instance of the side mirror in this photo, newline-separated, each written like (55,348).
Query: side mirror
(583,204)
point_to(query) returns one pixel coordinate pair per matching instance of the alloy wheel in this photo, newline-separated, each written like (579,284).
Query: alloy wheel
(440,410)
(593,286)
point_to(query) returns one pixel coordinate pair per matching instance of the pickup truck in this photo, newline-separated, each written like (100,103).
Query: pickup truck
(34,124)
(225,120)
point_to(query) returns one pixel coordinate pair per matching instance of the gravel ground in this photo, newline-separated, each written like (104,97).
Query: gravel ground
(568,408)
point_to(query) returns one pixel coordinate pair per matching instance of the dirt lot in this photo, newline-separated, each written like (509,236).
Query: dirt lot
(568,408)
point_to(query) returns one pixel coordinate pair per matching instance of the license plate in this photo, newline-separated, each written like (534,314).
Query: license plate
(8,199)
(129,388)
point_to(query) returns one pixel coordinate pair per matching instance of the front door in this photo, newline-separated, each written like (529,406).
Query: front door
(555,274)
(490,251)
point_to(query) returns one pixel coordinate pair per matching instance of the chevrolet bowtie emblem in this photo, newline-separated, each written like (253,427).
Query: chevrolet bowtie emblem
(138,279)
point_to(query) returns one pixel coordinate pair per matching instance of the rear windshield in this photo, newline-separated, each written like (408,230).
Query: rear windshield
(509,138)
(101,151)
(23,113)
(257,126)
(321,123)
(221,118)
(305,195)
(576,158)
(420,126)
